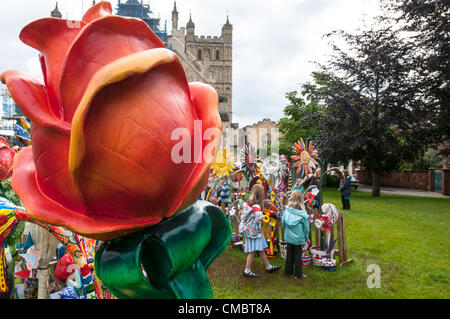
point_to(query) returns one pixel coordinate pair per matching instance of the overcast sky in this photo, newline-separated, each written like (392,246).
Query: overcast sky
(274,42)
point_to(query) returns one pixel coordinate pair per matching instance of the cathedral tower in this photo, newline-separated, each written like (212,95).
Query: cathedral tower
(174,16)
(56,13)
(206,59)
(190,29)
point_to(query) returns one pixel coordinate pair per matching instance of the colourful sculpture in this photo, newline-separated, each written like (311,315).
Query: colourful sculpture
(304,158)
(184,246)
(101,162)
(271,221)
(223,164)
(22,132)
(249,165)
(6,159)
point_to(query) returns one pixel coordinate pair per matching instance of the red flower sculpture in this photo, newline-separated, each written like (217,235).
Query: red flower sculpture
(6,159)
(309,197)
(100,163)
(304,156)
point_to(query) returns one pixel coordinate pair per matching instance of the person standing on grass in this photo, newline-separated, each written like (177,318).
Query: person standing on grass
(296,226)
(250,227)
(345,190)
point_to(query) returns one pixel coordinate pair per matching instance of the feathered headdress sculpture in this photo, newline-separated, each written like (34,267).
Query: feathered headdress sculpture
(304,158)
(223,164)
(249,164)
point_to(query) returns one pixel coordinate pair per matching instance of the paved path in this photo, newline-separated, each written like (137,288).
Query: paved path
(400,191)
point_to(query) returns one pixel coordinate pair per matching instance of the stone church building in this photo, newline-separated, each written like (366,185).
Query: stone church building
(206,59)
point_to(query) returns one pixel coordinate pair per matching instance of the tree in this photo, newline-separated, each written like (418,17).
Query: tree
(369,105)
(426,24)
(296,122)
(428,159)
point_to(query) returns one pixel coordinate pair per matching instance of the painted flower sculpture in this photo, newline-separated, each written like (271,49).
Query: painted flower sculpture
(100,161)
(304,158)
(282,186)
(223,164)
(285,162)
(275,168)
(270,168)
(249,164)
(101,157)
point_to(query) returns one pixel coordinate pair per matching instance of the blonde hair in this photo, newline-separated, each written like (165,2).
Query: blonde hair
(296,200)
(257,196)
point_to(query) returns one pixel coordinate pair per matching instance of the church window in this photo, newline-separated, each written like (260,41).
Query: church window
(268,139)
(199,54)
(217,54)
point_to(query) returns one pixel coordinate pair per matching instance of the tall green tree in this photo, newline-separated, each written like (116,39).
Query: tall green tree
(369,103)
(296,122)
(426,24)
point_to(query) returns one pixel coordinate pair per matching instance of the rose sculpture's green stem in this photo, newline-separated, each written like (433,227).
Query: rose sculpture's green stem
(168,260)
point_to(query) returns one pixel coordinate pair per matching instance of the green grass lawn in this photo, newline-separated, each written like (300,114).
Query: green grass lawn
(407,237)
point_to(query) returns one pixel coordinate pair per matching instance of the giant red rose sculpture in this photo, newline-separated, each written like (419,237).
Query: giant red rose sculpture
(100,161)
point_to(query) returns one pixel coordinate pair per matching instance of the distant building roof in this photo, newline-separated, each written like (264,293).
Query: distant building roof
(227,24)
(190,23)
(56,13)
(267,121)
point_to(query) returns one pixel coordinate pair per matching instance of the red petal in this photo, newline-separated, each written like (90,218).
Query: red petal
(52,37)
(30,95)
(40,207)
(206,103)
(122,164)
(100,10)
(51,153)
(100,43)
(50,138)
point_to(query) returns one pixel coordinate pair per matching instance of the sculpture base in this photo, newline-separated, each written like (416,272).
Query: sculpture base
(168,260)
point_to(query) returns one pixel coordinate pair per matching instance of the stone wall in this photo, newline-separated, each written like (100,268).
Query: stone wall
(446,182)
(408,179)
(446,159)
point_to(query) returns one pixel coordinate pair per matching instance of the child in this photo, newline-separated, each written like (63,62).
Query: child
(295,223)
(250,227)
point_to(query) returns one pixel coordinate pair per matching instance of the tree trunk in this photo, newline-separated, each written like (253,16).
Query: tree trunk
(42,285)
(375,184)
